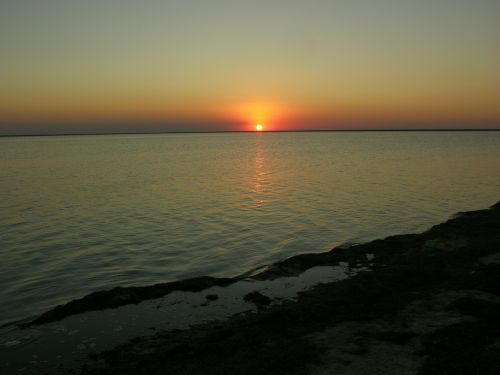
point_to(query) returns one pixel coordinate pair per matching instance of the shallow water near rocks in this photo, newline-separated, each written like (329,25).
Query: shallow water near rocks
(56,348)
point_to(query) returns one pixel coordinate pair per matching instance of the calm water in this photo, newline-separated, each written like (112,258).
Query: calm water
(84,213)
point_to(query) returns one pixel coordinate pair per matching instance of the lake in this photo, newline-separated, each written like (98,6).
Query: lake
(86,213)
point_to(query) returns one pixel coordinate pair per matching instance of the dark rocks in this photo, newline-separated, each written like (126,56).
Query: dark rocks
(447,242)
(212,297)
(129,295)
(257,298)
(394,337)
(407,270)
(466,348)
(93,356)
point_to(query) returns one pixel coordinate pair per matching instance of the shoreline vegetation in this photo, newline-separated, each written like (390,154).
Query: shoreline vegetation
(422,304)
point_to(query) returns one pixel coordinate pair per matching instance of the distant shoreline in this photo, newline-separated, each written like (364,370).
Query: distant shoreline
(252,131)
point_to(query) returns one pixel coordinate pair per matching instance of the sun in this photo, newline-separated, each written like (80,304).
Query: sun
(259,127)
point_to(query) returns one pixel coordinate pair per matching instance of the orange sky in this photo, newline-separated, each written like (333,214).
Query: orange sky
(105,66)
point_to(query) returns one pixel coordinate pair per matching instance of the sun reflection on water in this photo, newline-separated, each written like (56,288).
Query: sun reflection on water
(261,181)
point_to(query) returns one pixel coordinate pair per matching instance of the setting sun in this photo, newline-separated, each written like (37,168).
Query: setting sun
(259,127)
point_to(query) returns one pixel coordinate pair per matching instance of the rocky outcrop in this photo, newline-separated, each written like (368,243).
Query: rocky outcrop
(450,239)
(429,305)
(126,295)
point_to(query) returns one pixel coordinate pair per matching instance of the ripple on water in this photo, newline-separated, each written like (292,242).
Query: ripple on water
(81,214)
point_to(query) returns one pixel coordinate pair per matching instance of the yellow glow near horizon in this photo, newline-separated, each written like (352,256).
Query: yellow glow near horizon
(380,68)
(259,127)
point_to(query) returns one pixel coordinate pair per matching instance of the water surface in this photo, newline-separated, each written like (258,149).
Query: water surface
(85,213)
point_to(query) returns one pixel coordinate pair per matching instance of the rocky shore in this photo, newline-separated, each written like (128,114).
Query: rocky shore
(425,304)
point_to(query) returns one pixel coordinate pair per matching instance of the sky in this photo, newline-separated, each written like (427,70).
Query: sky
(99,66)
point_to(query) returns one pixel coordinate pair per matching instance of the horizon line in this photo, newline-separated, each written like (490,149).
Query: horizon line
(251,131)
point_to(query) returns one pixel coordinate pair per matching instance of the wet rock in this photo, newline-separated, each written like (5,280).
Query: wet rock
(355,347)
(93,356)
(127,295)
(394,337)
(257,298)
(404,324)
